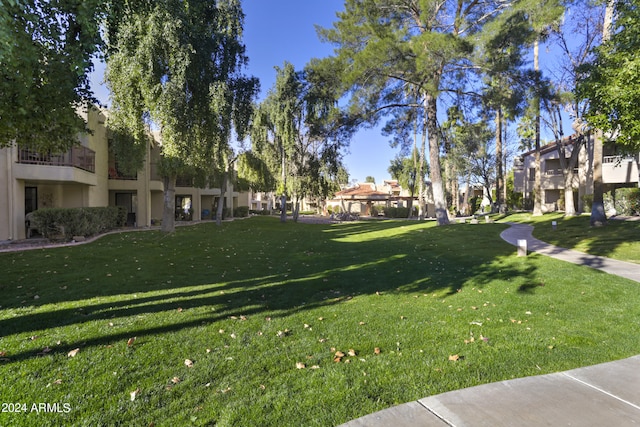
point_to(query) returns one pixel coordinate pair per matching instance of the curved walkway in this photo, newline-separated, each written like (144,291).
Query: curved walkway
(602,395)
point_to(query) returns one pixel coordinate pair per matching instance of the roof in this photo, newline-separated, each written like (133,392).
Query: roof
(361,191)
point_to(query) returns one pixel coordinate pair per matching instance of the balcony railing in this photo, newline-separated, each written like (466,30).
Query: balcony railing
(78,157)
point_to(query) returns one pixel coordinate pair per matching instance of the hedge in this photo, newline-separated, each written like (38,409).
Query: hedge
(69,222)
(241,211)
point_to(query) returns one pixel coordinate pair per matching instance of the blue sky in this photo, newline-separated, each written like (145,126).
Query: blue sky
(284,30)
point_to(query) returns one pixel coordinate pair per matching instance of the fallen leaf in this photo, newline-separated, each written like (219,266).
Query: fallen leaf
(188,363)
(57,382)
(208,350)
(454,358)
(130,341)
(339,354)
(73,352)
(376,350)
(300,365)
(361,323)
(233,336)
(175,380)
(179,309)
(351,352)
(3,353)
(315,367)
(134,393)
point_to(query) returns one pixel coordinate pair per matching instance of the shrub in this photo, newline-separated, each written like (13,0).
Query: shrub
(626,201)
(241,211)
(587,202)
(396,212)
(260,212)
(69,222)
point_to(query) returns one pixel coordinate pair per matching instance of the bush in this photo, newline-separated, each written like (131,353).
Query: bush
(241,211)
(626,201)
(396,212)
(587,202)
(69,222)
(260,212)
(226,213)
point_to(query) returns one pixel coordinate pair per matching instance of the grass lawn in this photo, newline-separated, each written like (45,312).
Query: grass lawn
(618,239)
(240,324)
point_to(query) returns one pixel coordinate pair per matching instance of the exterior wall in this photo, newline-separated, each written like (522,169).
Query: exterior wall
(59,184)
(616,171)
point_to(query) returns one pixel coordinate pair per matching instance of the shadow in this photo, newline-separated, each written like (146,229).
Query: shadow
(577,233)
(246,268)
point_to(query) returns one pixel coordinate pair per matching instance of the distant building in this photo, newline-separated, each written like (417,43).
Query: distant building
(617,171)
(362,197)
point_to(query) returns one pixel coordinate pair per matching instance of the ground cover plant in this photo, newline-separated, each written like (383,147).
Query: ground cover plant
(617,239)
(263,323)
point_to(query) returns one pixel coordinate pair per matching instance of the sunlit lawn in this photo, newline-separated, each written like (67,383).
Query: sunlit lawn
(240,325)
(618,239)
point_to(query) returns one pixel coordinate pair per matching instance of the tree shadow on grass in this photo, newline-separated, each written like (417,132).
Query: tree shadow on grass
(576,232)
(318,266)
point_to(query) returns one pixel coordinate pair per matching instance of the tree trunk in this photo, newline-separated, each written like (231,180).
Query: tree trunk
(283,208)
(421,165)
(499,173)
(223,190)
(442,216)
(537,186)
(598,215)
(296,209)
(169,211)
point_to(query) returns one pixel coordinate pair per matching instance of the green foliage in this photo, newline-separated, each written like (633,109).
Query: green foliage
(626,201)
(69,222)
(46,52)
(611,82)
(587,201)
(179,66)
(241,212)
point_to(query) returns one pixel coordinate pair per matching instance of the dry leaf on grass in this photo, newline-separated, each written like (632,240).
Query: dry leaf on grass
(377,350)
(188,363)
(454,358)
(134,393)
(73,352)
(130,341)
(300,365)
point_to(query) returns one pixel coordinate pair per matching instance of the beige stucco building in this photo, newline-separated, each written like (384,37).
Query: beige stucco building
(617,171)
(87,176)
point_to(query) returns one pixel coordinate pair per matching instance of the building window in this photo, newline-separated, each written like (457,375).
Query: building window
(532,174)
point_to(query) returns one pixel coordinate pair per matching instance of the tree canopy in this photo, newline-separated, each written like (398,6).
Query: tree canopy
(611,81)
(177,66)
(46,52)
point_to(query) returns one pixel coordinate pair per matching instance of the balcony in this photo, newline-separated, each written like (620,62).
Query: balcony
(78,157)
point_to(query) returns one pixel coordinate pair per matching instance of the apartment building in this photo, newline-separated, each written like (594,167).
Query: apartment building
(617,171)
(86,176)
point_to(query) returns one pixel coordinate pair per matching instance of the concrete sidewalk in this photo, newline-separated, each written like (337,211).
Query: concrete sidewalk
(523,232)
(602,395)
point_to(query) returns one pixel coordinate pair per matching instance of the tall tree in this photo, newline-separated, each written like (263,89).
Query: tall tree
(576,38)
(385,47)
(501,58)
(291,134)
(46,52)
(177,65)
(610,83)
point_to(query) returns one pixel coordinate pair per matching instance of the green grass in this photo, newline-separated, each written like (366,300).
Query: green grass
(247,301)
(618,239)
